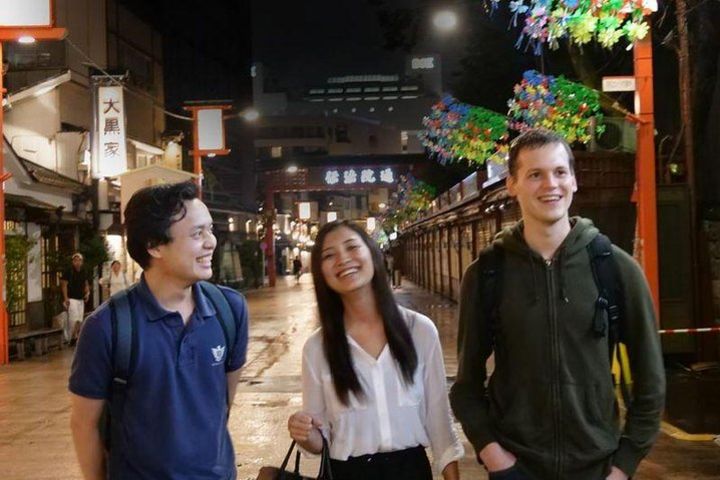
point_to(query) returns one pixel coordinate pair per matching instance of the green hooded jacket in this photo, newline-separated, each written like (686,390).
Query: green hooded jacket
(550,400)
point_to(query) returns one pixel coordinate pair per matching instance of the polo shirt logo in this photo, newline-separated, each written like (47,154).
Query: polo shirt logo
(218,353)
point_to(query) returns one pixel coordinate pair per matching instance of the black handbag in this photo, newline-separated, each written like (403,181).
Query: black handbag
(275,473)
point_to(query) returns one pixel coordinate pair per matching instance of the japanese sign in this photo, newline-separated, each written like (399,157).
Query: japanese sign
(211,132)
(352,176)
(110,148)
(618,84)
(26,13)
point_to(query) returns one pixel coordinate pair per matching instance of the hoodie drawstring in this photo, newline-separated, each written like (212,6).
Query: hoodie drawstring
(561,278)
(536,295)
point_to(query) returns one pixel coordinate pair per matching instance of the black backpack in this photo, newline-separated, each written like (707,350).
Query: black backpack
(609,306)
(124,337)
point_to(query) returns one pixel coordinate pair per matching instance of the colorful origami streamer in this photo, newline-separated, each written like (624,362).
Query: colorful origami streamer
(580,21)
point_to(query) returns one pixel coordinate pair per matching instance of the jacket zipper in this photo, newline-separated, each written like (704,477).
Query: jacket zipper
(555,366)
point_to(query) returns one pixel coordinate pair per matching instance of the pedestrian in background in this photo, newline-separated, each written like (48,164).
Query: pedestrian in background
(297,269)
(183,370)
(549,410)
(373,377)
(116,280)
(76,291)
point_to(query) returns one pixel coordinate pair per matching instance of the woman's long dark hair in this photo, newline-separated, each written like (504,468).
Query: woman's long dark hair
(335,344)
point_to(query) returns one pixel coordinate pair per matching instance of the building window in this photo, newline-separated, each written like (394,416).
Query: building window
(139,64)
(341,133)
(314,150)
(275,152)
(404,140)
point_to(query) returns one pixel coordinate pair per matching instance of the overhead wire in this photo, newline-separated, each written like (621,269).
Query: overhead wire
(118,83)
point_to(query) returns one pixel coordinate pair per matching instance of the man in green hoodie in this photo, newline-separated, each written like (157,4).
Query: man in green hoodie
(549,409)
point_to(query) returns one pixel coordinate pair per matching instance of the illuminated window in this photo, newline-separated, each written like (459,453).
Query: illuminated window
(276,152)
(304,210)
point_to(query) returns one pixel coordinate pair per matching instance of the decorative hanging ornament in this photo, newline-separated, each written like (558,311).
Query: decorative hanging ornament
(555,103)
(456,131)
(580,21)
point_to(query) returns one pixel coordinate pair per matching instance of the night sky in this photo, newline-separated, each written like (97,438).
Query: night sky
(210,46)
(302,42)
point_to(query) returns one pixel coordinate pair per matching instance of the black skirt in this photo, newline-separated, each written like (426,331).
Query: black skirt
(409,464)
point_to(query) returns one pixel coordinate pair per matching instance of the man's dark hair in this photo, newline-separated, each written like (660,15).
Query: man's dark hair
(532,139)
(149,215)
(330,306)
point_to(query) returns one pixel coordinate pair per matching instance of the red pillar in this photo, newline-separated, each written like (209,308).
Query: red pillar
(4,325)
(645,166)
(197,158)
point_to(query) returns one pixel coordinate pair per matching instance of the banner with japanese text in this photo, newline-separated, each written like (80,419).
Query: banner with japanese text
(110,148)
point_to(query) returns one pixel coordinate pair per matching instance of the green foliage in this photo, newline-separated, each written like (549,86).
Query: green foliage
(412,198)
(93,248)
(251,261)
(17,248)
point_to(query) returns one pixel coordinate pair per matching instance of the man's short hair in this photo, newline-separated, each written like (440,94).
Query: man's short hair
(77,255)
(149,215)
(532,139)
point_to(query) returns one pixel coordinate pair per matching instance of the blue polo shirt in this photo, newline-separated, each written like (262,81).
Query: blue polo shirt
(175,420)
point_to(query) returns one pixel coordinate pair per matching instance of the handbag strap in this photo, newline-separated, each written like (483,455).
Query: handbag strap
(325,472)
(283,466)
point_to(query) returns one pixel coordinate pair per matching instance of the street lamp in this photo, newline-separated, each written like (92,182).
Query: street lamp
(445,20)
(22,21)
(250,115)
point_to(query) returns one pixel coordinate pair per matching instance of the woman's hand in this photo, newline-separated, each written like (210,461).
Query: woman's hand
(301,424)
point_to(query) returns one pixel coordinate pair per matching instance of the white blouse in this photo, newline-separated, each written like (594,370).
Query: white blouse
(115,282)
(392,416)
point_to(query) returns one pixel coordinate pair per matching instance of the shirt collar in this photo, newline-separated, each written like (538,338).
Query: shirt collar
(155,311)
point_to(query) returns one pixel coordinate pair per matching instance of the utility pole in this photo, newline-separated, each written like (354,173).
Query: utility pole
(686,117)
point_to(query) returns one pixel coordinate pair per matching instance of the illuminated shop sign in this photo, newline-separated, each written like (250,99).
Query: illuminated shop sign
(422,63)
(362,176)
(111,153)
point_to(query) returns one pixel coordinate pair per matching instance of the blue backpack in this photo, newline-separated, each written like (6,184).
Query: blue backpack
(124,337)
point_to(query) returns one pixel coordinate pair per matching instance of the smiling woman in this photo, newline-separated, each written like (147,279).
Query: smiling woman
(370,361)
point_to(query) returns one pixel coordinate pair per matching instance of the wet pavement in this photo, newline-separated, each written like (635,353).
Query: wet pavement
(35,441)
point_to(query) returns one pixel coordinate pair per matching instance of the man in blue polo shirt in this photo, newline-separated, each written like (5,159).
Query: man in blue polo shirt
(181,384)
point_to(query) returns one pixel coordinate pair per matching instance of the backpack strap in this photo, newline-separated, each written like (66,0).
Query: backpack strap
(609,306)
(491,262)
(123,337)
(225,314)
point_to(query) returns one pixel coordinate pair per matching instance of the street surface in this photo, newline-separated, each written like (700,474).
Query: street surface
(35,441)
